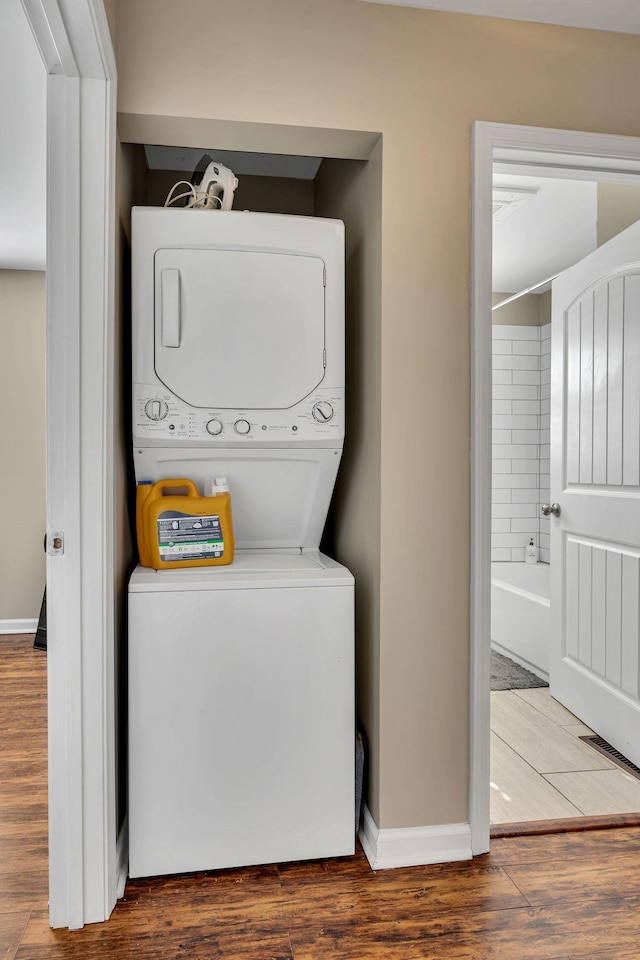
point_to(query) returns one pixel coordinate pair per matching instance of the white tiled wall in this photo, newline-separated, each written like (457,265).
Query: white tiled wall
(521,368)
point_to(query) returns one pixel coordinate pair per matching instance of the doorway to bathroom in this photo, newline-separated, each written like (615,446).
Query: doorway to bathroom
(550,199)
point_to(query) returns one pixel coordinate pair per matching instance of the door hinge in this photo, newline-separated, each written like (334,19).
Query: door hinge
(324,276)
(55,543)
(324,358)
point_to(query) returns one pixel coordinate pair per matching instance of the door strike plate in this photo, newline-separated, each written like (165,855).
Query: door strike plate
(55,543)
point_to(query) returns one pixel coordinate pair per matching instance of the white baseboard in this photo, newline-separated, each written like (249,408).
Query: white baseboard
(122,858)
(18,626)
(412,846)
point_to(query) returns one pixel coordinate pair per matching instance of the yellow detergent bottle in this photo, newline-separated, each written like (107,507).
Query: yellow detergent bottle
(183,530)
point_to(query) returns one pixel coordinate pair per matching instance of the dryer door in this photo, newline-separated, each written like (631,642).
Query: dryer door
(239,329)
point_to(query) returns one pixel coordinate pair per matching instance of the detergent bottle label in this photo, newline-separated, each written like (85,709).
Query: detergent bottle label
(182,536)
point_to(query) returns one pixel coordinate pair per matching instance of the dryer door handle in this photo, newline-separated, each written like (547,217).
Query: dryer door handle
(170,317)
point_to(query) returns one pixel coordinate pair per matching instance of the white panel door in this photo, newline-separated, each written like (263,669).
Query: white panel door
(595,478)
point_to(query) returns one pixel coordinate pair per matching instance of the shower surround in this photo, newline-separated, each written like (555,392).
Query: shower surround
(521,427)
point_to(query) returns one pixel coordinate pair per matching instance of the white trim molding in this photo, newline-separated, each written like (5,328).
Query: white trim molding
(413,846)
(536,144)
(75,44)
(18,626)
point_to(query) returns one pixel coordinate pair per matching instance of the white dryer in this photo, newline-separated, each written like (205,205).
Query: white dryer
(241,678)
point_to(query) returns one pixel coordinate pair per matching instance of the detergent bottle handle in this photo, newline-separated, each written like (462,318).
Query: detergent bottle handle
(173,484)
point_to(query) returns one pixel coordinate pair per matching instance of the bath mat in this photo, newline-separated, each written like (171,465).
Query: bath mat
(508,675)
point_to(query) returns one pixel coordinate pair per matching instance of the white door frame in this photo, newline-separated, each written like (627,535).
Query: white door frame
(75,44)
(486,137)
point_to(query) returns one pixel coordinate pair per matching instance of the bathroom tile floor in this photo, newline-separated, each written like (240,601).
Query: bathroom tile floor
(540,770)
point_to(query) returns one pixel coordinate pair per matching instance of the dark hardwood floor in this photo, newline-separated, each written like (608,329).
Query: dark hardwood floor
(566,896)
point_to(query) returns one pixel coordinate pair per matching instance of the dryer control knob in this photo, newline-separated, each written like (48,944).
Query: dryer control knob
(214,427)
(156,409)
(242,427)
(322,411)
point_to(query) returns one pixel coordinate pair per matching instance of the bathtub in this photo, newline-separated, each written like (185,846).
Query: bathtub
(520,614)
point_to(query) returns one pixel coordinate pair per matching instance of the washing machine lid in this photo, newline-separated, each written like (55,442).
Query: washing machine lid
(239,329)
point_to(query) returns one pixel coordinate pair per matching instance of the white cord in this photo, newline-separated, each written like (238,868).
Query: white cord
(197,200)
(189,193)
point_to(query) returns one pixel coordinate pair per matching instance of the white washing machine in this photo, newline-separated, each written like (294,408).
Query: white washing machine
(241,677)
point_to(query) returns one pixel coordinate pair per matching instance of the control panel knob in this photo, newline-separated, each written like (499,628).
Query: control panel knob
(322,411)
(214,427)
(156,409)
(242,427)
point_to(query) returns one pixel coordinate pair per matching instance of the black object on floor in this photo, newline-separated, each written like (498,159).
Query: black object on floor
(508,675)
(40,642)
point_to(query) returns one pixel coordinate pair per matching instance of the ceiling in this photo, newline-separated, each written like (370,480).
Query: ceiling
(23,113)
(552,230)
(622,16)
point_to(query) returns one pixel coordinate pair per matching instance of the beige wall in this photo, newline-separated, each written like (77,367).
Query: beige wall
(420,78)
(530,310)
(523,312)
(618,208)
(22,462)
(350,191)
(544,308)
(111,12)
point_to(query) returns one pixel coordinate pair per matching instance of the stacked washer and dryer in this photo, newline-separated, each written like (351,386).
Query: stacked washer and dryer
(241,677)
